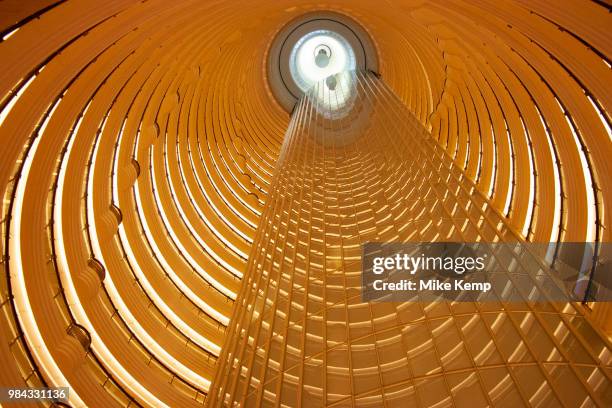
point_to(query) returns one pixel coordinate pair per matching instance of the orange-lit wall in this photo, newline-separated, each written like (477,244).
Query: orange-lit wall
(161,109)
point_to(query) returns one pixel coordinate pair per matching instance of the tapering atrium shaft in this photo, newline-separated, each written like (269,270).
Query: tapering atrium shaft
(215,203)
(356,166)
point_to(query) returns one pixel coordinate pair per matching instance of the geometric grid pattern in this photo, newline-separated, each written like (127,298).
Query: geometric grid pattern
(355,167)
(127,114)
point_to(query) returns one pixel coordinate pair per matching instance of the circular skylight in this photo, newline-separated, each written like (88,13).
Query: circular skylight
(319,54)
(312,48)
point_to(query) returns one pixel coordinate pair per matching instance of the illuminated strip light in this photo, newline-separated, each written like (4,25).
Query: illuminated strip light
(556,231)
(532,183)
(176,320)
(207,221)
(223,196)
(255,172)
(590,196)
(480,154)
(9,106)
(591,233)
(467,138)
(127,316)
(236,180)
(23,309)
(142,278)
(263,169)
(231,189)
(121,374)
(511,181)
(10,34)
(601,116)
(218,285)
(502,387)
(97,344)
(138,141)
(116,166)
(539,396)
(168,268)
(209,202)
(494,175)
(194,233)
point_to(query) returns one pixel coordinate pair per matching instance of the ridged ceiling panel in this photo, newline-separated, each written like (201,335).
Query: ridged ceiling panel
(138,142)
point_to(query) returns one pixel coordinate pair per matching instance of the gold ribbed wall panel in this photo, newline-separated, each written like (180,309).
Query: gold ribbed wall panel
(365,170)
(138,142)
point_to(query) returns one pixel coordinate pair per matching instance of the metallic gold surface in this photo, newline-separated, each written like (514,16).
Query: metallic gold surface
(138,147)
(370,172)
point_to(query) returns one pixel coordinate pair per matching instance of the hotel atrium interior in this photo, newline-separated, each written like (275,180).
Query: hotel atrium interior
(188,184)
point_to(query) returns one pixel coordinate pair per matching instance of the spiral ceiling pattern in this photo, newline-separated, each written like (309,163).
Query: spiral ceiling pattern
(139,141)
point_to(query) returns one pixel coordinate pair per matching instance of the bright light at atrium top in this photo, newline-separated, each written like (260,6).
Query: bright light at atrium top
(318,55)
